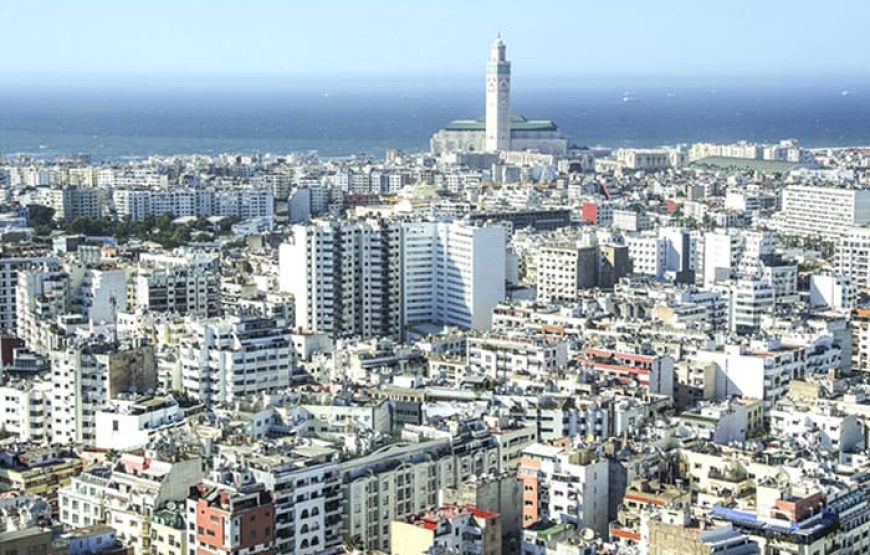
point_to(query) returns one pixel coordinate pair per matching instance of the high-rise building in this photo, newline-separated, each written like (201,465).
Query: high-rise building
(372,277)
(344,277)
(452,273)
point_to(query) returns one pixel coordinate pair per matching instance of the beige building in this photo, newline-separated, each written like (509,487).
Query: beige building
(451,528)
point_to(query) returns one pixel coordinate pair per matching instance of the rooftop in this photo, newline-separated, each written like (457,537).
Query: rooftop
(518,123)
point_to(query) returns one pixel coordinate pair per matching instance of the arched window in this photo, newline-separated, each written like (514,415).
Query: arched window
(304,544)
(304,513)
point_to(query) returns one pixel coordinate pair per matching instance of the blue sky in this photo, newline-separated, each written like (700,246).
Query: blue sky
(45,40)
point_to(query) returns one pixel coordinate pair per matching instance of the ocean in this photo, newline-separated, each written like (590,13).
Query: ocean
(340,119)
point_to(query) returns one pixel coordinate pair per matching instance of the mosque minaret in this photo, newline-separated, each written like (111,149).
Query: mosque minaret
(498,99)
(499,131)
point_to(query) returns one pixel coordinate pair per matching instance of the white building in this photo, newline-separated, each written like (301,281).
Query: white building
(833,291)
(822,212)
(499,356)
(818,425)
(25,411)
(223,359)
(853,256)
(186,283)
(124,425)
(648,254)
(344,277)
(452,273)
(563,270)
(565,486)
(9,269)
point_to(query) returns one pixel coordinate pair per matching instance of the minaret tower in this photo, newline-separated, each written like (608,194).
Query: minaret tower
(498,99)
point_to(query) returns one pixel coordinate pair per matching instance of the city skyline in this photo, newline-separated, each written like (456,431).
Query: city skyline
(213,42)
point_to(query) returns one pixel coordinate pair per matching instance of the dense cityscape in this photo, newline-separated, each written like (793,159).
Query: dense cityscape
(508,344)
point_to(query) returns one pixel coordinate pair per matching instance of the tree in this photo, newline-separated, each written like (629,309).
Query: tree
(41,219)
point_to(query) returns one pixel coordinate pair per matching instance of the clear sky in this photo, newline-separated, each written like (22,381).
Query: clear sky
(43,40)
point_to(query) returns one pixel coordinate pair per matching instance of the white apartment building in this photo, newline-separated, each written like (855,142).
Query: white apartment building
(406,478)
(853,256)
(126,495)
(239,202)
(563,270)
(825,213)
(87,374)
(98,292)
(452,273)
(566,486)
(749,302)
(125,424)
(187,283)
(499,356)
(370,278)
(833,291)
(24,410)
(76,202)
(732,253)
(9,269)
(628,219)
(556,418)
(764,371)
(42,296)
(224,359)
(307,494)
(648,254)
(344,277)
(818,425)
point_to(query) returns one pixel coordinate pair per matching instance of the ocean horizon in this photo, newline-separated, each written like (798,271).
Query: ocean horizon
(338,119)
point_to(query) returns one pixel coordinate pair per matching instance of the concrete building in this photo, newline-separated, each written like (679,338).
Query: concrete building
(223,359)
(9,269)
(563,270)
(835,292)
(87,374)
(498,356)
(825,213)
(187,283)
(564,486)
(447,529)
(125,425)
(405,478)
(344,277)
(224,520)
(76,202)
(305,485)
(853,256)
(452,273)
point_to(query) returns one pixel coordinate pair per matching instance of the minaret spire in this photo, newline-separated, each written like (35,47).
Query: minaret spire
(498,93)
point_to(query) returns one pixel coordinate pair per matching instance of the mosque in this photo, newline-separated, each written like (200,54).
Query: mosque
(498,130)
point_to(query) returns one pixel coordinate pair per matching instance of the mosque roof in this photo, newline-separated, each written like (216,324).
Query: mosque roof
(518,123)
